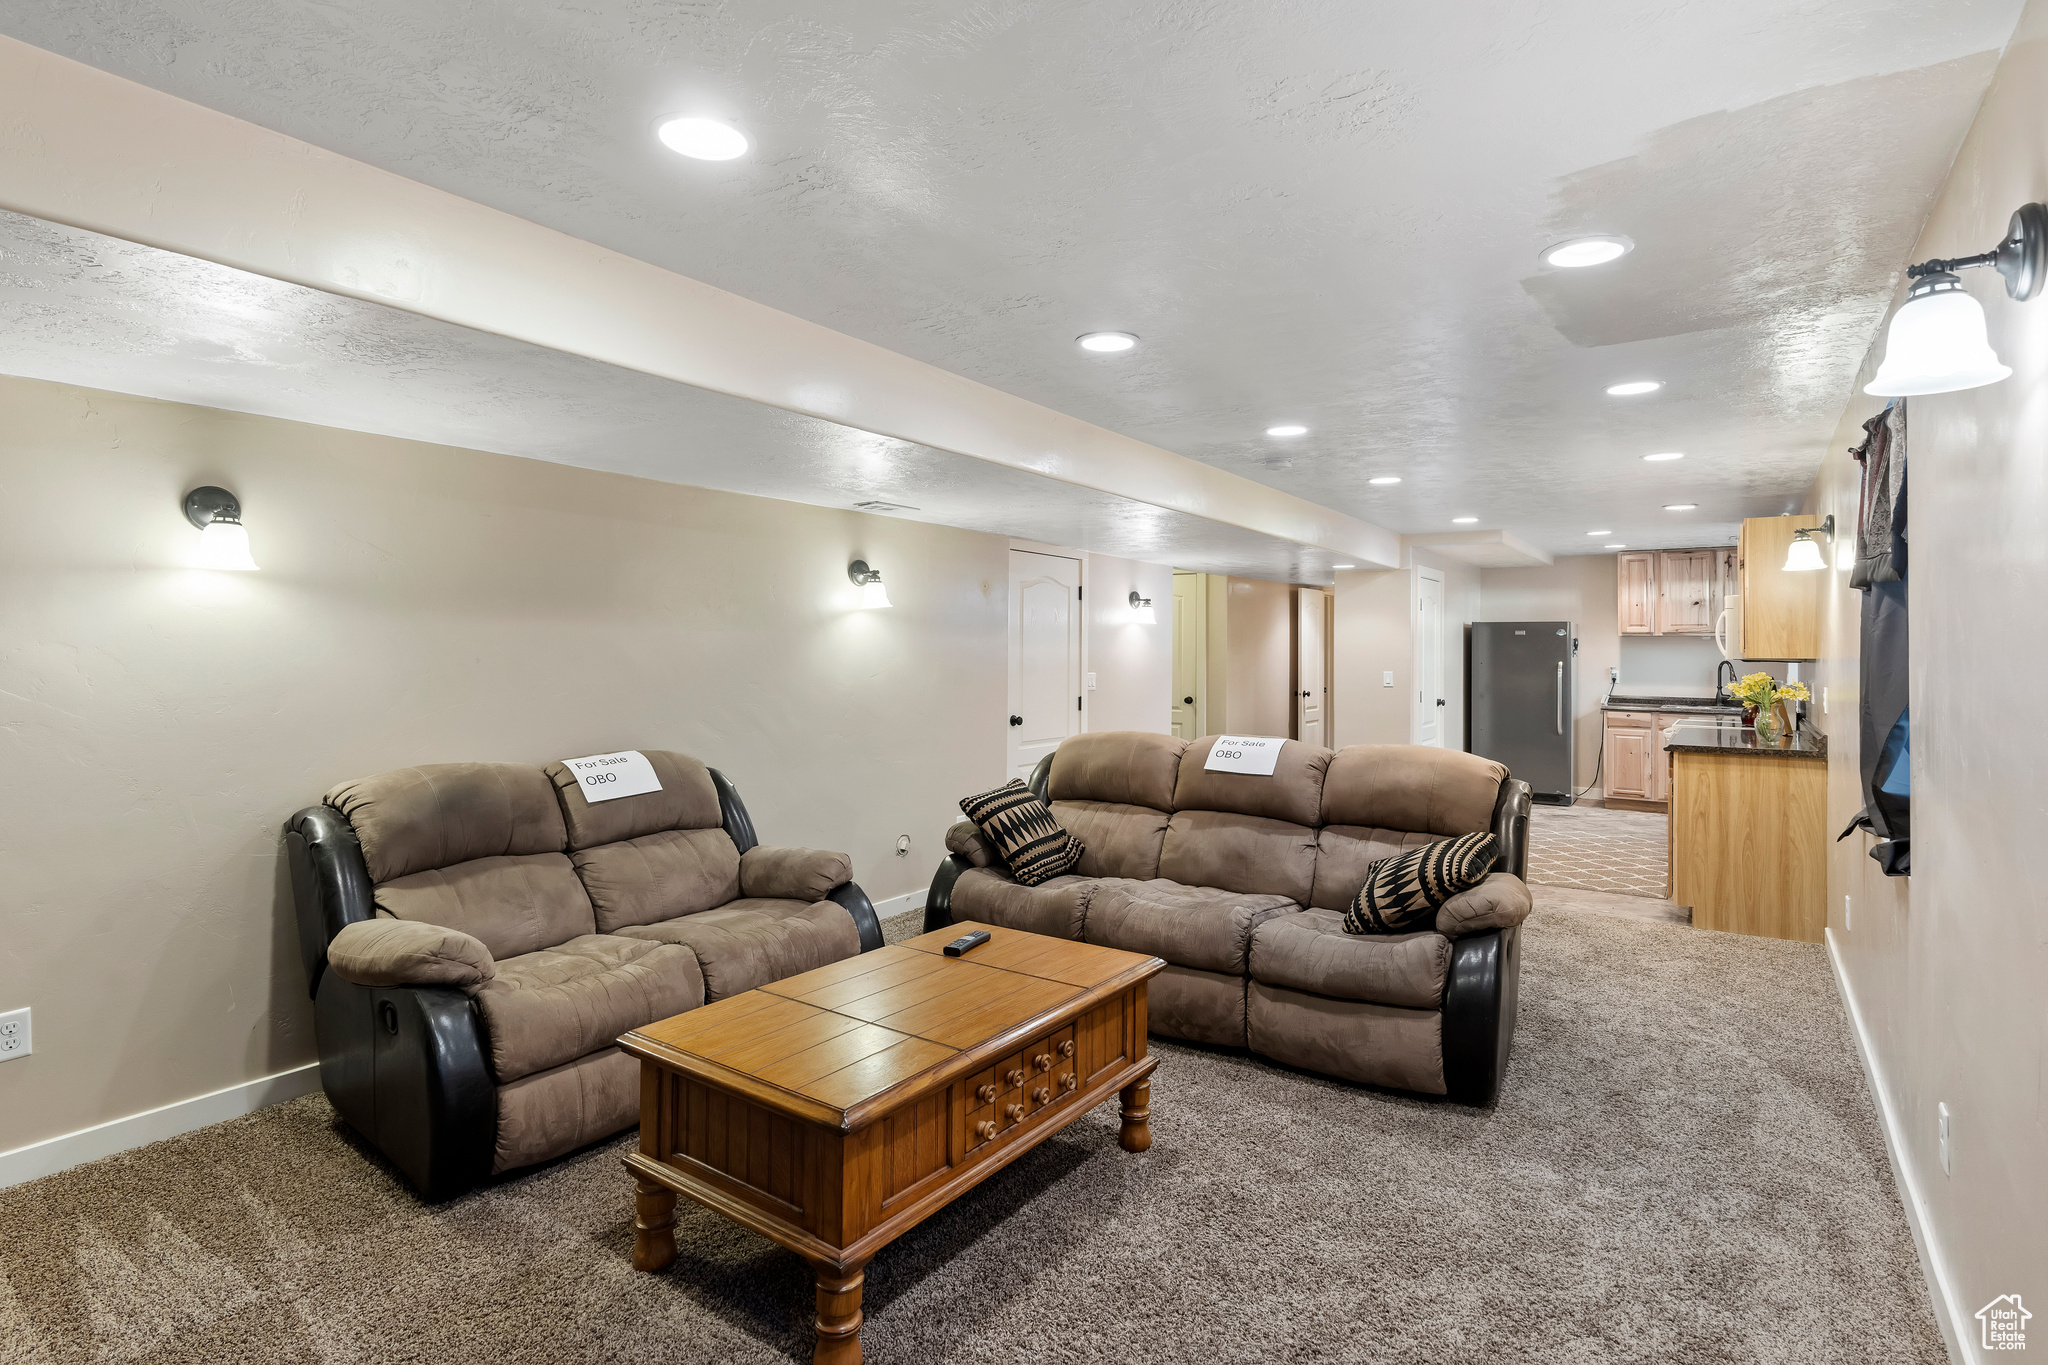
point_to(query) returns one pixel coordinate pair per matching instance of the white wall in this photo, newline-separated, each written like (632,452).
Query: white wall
(1132,663)
(419,604)
(1946,967)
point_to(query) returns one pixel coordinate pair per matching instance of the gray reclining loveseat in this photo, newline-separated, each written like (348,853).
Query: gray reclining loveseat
(477,935)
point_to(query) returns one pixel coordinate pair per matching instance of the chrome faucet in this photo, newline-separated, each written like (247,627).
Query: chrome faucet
(1721,692)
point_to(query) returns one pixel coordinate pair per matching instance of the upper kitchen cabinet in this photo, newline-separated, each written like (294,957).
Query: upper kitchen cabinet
(1780,610)
(1669,592)
(1688,591)
(1636,580)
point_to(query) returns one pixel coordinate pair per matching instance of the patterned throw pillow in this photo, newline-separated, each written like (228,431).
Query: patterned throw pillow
(1024,832)
(1401,893)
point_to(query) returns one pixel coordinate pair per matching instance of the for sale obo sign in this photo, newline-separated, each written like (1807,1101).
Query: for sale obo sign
(1243,754)
(607,777)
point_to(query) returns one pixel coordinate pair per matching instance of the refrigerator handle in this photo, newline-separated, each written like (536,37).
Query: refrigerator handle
(1560,696)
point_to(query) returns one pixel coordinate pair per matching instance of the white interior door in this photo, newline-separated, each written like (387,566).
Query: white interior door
(1310,692)
(1430,702)
(1045,656)
(1190,654)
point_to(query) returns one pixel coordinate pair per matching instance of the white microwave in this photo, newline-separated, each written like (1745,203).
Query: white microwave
(1728,628)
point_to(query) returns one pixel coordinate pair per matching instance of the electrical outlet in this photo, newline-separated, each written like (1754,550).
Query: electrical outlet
(16,1040)
(1848,915)
(903,845)
(1387,678)
(1823,701)
(1941,1118)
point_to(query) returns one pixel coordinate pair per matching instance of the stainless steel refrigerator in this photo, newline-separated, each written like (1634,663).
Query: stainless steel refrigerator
(1520,677)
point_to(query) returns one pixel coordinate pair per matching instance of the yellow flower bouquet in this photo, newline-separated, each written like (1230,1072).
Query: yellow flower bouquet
(1762,693)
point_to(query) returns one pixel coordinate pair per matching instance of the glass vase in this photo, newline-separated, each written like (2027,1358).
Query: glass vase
(1768,728)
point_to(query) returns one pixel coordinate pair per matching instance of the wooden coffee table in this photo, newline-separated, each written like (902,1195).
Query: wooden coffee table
(835,1111)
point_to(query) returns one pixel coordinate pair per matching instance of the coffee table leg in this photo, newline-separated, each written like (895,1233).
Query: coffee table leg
(839,1317)
(654,1225)
(1137,1115)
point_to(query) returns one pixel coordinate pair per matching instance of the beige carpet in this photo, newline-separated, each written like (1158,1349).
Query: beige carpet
(1684,1167)
(1595,849)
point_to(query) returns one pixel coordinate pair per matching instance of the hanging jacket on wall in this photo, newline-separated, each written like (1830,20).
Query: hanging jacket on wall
(1885,719)
(1880,505)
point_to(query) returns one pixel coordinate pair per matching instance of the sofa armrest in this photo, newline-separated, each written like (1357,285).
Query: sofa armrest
(396,952)
(966,841)
(792,874)
(1500,902)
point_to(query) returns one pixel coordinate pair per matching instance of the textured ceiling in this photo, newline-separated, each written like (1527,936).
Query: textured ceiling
(80,308)
(1323,211)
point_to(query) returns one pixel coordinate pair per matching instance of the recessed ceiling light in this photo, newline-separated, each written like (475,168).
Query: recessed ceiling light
(1634,387)
(1680,506)
(1583,251)
(1106,341)
(1289,429)
(1614,547)
(1384,478)
(1667,455)
(1599,533)
(705,139)
(1462,521)
(1343,566)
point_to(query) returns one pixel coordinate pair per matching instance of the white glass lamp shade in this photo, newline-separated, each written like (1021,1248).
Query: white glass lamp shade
(873,594)
(224,544)
(1936,344)
(1803,555)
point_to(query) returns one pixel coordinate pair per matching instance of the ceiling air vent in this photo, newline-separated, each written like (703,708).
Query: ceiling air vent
(879,506)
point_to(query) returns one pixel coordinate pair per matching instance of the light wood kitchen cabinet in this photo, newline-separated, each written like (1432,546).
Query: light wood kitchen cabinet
(1780,610)
(1635,576)
(1671,592)
(1749,843)
(1688,599)
(1660,761)
(1628,760)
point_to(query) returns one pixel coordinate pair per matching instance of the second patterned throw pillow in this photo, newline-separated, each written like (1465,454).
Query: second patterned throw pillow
(1024,832)
(1401,893)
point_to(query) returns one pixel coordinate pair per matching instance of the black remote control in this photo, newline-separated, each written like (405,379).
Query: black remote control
(959,946)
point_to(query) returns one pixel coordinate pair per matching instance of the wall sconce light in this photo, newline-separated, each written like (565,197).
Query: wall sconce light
(872,593)
(1803,554)
(223,543)
(1141,610)
(1937,342)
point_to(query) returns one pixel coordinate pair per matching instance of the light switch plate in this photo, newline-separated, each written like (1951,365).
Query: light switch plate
(1091,682)
(16,1039)
(1387,678)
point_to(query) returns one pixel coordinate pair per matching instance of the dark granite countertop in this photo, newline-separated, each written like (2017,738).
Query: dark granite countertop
(1710,739)
(1683,706)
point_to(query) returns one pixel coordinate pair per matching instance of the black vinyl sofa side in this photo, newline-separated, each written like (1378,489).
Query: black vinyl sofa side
(1483,989)
(406,1066)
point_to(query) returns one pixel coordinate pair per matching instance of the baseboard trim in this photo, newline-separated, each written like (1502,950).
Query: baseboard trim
(1949,1313)
(66,1150)
(897,905)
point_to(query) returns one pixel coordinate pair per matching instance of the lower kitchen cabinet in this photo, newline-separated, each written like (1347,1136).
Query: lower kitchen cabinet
(1630,759)
(1634,763)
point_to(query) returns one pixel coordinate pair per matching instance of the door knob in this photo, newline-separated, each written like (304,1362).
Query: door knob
(1016,720)
(1187,701)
